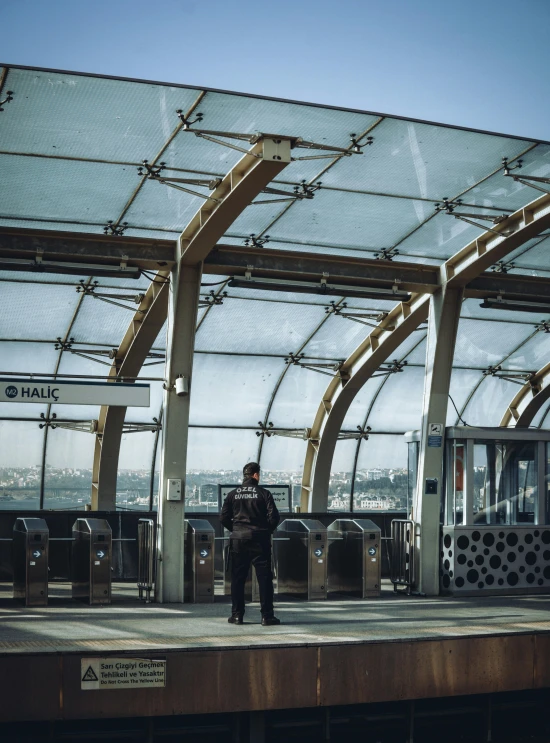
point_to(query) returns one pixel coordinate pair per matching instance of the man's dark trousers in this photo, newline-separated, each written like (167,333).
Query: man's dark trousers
(255,550)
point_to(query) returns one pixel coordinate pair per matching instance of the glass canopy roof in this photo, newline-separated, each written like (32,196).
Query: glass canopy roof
(70,149)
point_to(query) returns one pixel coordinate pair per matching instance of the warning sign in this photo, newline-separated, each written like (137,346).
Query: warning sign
(89,675)
(121,673)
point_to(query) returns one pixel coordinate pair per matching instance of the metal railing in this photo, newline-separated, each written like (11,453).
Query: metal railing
(146,561)
(402,571)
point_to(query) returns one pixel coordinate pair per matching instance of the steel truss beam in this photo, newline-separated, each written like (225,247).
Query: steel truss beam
(528,401)
(232,260)
(238,188)
(85,248)
(457,272)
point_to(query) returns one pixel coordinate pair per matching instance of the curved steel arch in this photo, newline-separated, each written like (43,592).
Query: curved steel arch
(265,160)
(372,403)
(465,265)
(529,400)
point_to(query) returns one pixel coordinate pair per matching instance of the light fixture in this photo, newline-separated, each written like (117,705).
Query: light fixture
(323,288)
(518,305)
(75,269)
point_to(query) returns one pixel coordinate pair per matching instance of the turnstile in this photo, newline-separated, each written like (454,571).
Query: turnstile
(199,561)
(354,557)
(302,558)
(91,563)
(146,558)
(30,561)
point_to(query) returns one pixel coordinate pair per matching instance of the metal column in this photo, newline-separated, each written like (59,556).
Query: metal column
(182,319)
(442,328)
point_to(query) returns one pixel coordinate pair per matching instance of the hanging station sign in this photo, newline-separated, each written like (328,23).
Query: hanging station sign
(74,393)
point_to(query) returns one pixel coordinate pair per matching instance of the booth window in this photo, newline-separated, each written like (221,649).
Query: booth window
(505,482)
(455,490)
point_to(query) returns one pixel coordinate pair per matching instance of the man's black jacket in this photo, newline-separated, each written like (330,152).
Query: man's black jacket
(249,510)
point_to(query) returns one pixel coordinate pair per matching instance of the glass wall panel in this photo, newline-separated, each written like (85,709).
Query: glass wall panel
(463,382)
(505,482)
(35,358)
(215,456)
(232,390)
(398,407)
(68,477)
(341,474)
(134,471)
(298,398)
(282,463)
(101,322)
(481,344)
(337,337)
(21,445)
(381,477)
(358,410)
(489,402)
(412,470)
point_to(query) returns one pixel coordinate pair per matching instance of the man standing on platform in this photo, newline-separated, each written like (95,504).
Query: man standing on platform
(250,514)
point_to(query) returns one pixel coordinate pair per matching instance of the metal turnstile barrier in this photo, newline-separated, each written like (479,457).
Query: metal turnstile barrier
(30,561)
(354,557)
(402,554)
(91,558)
(146,558)
(199,561)
(302,558)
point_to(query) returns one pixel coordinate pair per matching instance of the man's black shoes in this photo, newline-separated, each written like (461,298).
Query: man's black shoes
(270,621)
(235,619)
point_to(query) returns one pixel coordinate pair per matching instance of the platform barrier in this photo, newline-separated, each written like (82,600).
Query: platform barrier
(199,561)
(30,547)
(301,558)
(354,557)
(91,559)
(146,559)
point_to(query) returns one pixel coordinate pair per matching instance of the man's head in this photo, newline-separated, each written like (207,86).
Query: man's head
(251,470)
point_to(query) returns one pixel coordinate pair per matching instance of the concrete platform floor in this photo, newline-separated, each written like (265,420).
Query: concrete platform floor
(129,625)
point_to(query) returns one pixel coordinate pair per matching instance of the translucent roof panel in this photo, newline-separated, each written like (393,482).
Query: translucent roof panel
(250,326)
(232,390)
(73,142)
(102,118)
(36,312)
(404,152)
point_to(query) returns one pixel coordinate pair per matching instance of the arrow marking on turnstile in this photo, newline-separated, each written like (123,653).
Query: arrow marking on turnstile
(100,554)
(89,675)
(36,554)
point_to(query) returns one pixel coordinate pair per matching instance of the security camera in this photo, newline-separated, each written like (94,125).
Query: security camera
(182,386)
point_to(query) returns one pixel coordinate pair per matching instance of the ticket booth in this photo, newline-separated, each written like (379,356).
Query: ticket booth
(495,515)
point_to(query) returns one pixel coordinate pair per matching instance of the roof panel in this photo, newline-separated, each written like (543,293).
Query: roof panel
(422,160)
(64,190)
(57,113)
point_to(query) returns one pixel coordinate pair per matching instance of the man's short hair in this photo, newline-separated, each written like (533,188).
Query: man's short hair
(250,469)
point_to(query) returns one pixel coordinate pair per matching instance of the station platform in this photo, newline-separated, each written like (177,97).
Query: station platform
(335,652)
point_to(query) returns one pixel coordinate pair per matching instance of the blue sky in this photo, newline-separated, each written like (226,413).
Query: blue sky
(478,63)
